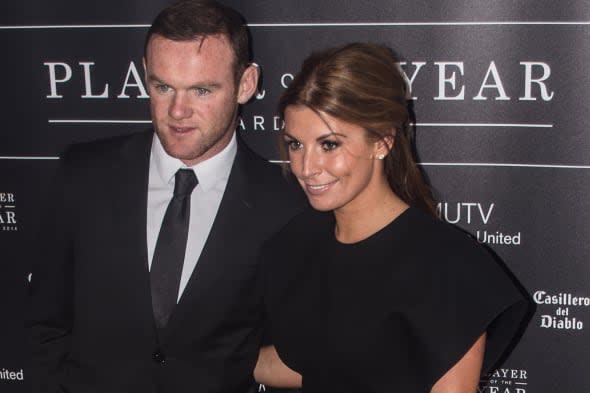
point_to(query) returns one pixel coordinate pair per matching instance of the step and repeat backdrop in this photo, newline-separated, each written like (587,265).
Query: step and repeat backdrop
(501,95)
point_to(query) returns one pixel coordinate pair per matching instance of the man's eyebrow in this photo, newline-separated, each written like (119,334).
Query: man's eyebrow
(207,84)
(201,84)
(154,78)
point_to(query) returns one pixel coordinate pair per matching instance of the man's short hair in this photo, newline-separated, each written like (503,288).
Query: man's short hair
(188,20)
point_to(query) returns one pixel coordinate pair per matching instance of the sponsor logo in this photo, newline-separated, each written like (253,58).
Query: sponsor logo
(450,84)
(504,380)
(8,218)
(475,216)
(558,310)
(9,375)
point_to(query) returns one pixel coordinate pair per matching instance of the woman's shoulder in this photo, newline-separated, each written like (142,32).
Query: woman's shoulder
(440,245)
(428,228)
(463,289)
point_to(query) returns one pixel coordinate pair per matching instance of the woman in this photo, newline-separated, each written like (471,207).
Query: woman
(370,292)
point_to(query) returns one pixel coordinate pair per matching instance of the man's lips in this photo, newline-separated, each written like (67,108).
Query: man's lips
(181,130)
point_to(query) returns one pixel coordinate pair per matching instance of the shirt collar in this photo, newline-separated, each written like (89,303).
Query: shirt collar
(208,172)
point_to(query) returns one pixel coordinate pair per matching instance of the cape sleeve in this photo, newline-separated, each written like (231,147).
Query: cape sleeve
(466,292)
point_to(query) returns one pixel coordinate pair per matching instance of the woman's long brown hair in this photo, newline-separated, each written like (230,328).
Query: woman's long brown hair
(362,84)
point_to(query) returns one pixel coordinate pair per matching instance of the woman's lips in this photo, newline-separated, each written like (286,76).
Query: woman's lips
(318,189)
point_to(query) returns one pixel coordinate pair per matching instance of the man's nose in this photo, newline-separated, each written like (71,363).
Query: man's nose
(180,107)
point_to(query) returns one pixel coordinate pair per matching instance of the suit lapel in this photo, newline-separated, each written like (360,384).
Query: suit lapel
(130,206)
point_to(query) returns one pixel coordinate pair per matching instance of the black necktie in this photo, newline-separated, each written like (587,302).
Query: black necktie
(168,257)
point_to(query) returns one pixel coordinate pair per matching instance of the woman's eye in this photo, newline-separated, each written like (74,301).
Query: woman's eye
(293,145)
(329,145)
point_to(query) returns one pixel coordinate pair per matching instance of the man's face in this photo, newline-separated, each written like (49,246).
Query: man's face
(193,95)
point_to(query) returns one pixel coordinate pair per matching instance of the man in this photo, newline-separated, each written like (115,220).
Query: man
(102,316)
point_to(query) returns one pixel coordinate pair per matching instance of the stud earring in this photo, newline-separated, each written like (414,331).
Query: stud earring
(381,156)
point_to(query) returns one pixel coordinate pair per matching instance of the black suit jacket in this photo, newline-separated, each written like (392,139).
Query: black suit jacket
(92,322)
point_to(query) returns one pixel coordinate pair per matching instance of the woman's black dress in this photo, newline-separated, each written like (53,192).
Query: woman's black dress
(391,313)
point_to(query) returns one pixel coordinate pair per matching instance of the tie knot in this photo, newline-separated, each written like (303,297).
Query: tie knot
(184,182)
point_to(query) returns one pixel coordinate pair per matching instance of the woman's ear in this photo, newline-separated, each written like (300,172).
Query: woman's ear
(384,146)
(248,83)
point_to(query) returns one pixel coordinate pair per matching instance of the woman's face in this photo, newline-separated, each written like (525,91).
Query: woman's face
(333,160)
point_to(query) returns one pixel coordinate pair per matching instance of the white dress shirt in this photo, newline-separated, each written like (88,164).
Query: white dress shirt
(212,175)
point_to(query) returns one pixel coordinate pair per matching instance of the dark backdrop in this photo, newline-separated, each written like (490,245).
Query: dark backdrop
(501,92)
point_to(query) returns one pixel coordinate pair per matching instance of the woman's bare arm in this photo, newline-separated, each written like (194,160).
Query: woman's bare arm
(271,371)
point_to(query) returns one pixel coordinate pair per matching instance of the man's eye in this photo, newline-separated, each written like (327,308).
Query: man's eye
(202,91)
(329,145)
(162,88)
(293,145)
